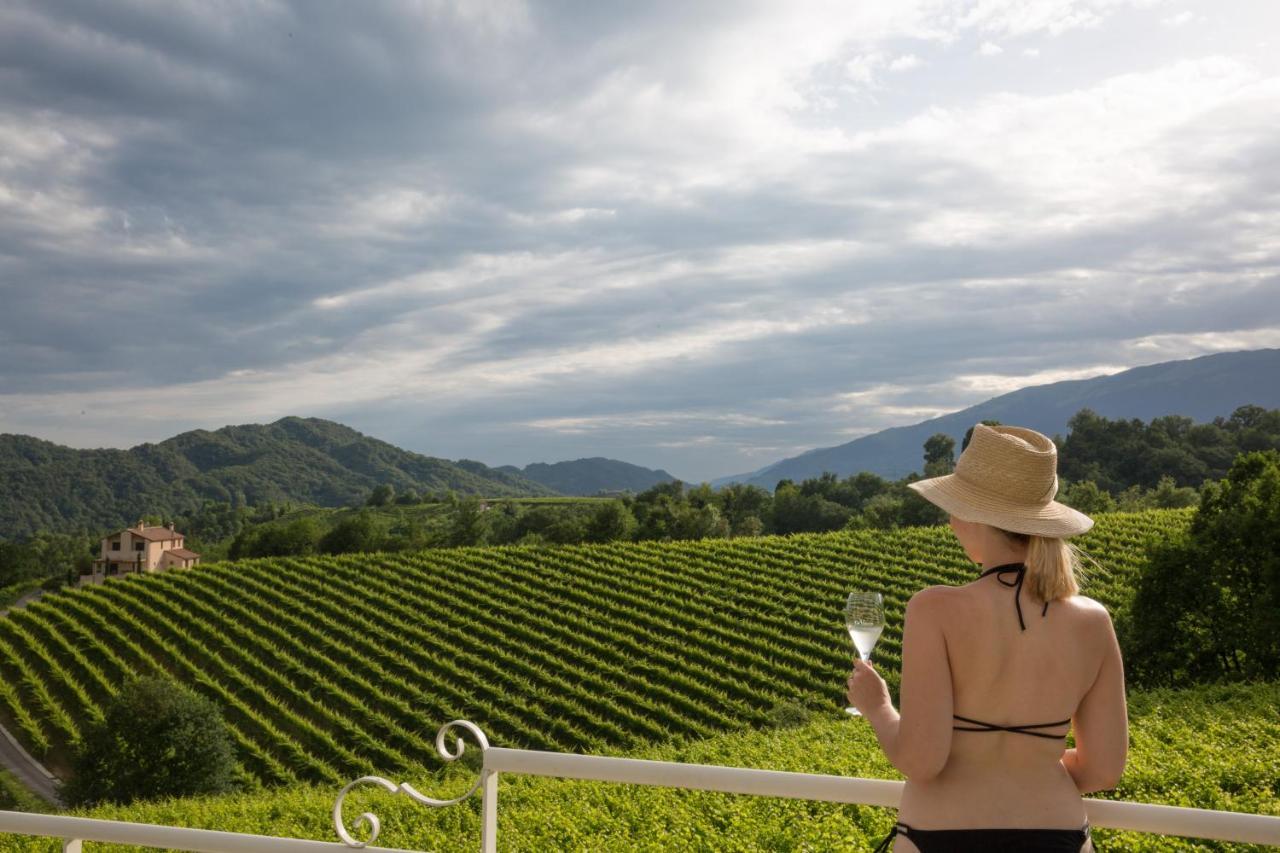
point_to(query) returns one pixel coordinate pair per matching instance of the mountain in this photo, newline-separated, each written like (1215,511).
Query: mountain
(1199,388)
(590,476)
(45,486)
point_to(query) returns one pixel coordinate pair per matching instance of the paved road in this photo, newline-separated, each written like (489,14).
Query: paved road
(30,772)
(13,757)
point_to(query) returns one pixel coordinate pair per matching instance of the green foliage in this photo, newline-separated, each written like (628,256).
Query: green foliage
(1209,605)
(1085,496)
(44,486)
(1166,495)
(44,556)
(295,538)
(939,455)
(383,494)
(15,797)
(469,526)
(611,522)
(360,532)
(157,738)
(1117,454)
(1208,748)
(11,593)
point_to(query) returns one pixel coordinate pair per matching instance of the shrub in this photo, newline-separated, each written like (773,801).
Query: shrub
(1208,605)
(157,738)
(360,532)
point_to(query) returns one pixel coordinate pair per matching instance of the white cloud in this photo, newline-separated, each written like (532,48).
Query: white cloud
(1178,20)
(905,62)
(990,48)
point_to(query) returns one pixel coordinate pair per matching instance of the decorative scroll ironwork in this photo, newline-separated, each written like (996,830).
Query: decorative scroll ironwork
(370,820)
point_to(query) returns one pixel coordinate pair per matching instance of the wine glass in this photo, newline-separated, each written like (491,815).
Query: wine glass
(864,617)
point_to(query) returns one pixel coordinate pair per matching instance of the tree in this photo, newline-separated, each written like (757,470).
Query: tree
(360,532)
(939,455)
(468,526)
(1085,496)
(968,434)
(1208,606)
(382,495)
(296,538)
(610,522)
(157,738)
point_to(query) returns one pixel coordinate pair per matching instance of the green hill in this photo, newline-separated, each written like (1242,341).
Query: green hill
(45,486)
(327,668)
(591,476)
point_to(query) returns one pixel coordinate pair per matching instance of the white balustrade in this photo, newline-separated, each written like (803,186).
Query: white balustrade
(1113,814)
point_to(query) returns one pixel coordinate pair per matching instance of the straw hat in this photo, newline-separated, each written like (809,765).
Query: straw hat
(1007,477)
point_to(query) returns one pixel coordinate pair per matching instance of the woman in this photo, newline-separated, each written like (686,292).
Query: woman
(993,677)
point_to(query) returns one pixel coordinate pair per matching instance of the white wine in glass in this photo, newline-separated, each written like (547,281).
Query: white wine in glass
(864,617)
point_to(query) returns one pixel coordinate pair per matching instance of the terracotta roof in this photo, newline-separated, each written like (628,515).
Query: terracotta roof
(183,553)
(153,534)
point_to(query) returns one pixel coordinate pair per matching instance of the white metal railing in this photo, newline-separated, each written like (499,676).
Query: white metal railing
(1113,814)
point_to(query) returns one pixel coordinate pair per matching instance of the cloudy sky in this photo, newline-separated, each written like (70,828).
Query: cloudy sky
(698,236)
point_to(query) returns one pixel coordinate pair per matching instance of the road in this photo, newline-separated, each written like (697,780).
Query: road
(30,772)
(13,757)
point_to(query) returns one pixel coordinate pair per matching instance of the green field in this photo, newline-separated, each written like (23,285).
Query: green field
(328,668)
(336,667)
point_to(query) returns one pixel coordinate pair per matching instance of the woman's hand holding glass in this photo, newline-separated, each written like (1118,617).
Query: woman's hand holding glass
(864,619)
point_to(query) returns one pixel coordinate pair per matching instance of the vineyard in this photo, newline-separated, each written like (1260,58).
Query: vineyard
(329,668)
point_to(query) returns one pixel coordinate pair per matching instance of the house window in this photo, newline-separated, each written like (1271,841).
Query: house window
(115,546)
(139,545)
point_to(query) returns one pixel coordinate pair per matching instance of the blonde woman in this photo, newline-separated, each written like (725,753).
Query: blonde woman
(996,672)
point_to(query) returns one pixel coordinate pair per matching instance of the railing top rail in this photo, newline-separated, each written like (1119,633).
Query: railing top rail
(1113,814)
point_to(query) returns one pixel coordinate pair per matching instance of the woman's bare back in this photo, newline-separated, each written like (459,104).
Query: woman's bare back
(1004,675)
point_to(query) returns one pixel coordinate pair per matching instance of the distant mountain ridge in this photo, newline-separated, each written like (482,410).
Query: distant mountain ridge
(46,486)
(1199,388)
(591,476)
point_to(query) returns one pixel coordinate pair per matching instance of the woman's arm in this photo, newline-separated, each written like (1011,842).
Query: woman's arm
(1101,722)
(918,740)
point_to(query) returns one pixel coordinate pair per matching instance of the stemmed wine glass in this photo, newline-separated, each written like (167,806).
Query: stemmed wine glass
(864,617)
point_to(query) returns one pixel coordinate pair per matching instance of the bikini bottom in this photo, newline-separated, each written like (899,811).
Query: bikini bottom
(990,840)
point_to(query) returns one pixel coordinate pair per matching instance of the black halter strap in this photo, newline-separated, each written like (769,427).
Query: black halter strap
(1020,570)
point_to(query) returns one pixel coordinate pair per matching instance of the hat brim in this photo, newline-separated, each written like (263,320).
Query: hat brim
(969,504)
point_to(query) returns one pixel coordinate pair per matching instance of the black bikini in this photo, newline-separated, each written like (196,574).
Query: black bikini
(996,840)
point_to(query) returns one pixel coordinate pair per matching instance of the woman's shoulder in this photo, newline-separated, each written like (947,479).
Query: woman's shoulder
(932,597)
(1088,610)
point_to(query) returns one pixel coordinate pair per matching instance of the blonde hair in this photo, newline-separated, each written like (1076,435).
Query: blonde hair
(1052,565)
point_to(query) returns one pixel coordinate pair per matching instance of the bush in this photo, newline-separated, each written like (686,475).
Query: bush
(1085,496)
(157,738)
(1208,606)
(611,522)
(361,532)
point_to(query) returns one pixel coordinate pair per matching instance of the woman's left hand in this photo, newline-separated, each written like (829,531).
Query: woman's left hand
(867,689)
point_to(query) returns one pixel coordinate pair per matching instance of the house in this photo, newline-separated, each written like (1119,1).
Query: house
(141,549)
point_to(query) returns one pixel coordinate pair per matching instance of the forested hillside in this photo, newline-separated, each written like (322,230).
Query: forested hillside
(48,487)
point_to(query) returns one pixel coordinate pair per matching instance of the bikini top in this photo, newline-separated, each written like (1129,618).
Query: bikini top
(1020,571)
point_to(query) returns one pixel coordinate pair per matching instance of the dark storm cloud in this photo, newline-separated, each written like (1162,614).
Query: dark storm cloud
(191,194)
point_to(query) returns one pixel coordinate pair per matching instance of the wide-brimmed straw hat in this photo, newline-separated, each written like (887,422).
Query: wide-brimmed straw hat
(1007,477)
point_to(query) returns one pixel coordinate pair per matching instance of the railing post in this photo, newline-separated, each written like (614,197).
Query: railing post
(489,811)
(72,845)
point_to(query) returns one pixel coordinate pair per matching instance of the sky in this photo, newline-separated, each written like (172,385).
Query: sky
(693,236)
